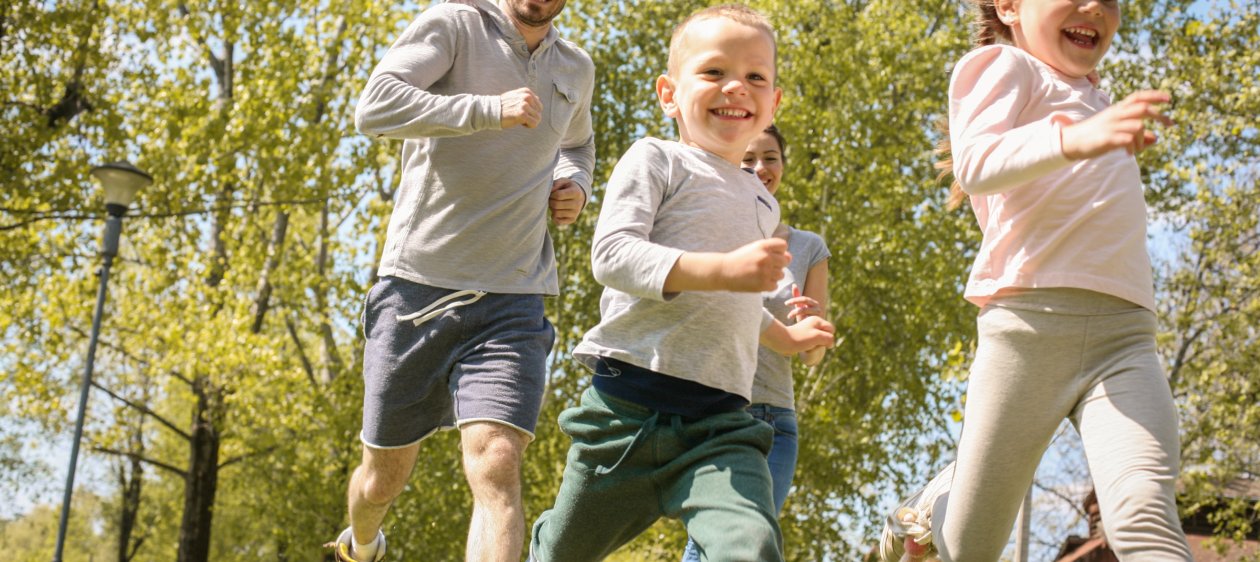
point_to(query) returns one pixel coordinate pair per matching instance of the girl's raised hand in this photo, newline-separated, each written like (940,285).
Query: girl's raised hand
(1122,125)
(802,306)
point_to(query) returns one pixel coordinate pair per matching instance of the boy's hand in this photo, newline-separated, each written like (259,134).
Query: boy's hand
(566,201)
(519,107)
(1122,125)
(754,267)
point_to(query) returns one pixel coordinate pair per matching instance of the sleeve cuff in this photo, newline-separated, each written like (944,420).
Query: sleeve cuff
(491,113)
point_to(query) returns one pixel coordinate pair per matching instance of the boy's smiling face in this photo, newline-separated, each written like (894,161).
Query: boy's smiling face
(722,92)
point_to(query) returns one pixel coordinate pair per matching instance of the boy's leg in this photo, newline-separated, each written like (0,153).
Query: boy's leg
(607,497)
(492,465)
(719,486)
(1128,424)
(1020,390)
(781,461)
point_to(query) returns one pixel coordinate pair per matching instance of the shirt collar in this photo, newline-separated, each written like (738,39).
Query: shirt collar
(509,31)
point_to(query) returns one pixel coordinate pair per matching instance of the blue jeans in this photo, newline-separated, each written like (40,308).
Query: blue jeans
(782,459)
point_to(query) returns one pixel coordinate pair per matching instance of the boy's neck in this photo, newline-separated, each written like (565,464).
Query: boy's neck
(735,157)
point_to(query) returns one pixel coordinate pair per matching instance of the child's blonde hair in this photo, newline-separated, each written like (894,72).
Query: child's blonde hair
(738,13)
(986,29)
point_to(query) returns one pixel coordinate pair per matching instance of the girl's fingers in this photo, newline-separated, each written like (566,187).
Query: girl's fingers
(1148,96)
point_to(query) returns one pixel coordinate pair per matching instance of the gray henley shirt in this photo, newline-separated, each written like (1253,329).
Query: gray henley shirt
(472,205)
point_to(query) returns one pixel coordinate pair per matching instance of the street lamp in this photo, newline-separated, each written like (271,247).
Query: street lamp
(121,181)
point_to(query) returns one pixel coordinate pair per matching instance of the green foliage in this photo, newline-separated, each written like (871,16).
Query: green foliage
(234,303)
(33,537)
(1203,187)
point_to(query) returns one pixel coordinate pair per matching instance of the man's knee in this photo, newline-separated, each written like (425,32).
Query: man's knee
(493,455)
(378,488)
(384,474)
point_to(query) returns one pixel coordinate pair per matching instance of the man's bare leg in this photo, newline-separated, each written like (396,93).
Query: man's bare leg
(374,486)
(492,465)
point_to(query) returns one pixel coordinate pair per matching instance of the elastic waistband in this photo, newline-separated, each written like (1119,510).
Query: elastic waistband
(1063,300)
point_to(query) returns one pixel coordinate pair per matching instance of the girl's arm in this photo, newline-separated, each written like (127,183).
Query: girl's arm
(989,90)
(811,333)
(816,292)
(1122,125)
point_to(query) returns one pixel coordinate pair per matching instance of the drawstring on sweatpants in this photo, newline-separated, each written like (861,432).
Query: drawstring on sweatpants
(438,307)
(647,427)
(675,422)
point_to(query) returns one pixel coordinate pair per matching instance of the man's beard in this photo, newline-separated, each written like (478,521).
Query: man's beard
(532,18)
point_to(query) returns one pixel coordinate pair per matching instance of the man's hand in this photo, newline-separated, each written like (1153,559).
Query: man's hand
(567,200)
(519,107)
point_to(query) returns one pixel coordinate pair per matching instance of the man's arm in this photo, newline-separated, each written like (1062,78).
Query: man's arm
(396,102)
(577,147)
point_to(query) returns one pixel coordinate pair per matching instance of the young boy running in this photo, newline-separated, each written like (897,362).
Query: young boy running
(684,246)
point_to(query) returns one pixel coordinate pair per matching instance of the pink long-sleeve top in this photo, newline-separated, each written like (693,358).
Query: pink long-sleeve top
(1048,221)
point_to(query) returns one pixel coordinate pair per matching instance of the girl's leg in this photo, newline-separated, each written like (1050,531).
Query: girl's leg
(782,459)
(1019,391)
(1128,424)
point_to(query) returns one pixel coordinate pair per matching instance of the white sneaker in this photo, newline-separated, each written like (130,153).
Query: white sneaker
(913,519)
(342,547)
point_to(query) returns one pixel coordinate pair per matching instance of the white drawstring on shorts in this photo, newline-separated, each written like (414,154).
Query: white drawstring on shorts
(437,307)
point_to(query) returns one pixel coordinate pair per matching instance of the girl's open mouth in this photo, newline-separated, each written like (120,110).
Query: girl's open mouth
(1082,36)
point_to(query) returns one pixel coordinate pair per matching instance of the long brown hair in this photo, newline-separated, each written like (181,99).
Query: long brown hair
(986,29)
(778,138)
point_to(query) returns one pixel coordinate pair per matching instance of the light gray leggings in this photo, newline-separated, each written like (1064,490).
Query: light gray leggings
(1043,355)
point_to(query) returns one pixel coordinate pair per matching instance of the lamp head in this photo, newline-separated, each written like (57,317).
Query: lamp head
(121,181)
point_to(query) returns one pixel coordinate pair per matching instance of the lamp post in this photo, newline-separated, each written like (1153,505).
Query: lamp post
(121,181)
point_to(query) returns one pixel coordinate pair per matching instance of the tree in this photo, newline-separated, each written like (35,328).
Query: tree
(229,321)
(227,398)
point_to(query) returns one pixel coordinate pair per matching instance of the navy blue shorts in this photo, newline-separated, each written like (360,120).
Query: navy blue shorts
(474,356)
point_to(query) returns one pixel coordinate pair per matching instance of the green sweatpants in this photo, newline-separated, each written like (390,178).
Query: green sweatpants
(629,466)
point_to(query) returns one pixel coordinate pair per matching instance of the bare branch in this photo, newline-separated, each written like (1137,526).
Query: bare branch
(1074,503)
(144,410)
(240,458)
(306,362)
(131,356)
(67,215)
(182,473)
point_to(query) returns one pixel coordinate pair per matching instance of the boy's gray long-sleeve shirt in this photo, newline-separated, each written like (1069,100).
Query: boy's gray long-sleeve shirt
(664,199)
(472,205)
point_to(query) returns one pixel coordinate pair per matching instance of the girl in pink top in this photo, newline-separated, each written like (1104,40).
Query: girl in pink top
(1063,279)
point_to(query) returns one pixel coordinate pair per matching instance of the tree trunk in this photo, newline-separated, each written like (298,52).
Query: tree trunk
(203,476)
(130,480)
